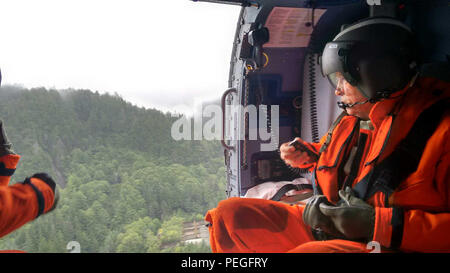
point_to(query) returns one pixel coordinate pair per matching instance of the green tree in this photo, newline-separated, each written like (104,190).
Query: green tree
(171,230)
(131,242)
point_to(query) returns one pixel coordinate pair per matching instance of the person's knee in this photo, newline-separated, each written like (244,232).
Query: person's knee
(226,208)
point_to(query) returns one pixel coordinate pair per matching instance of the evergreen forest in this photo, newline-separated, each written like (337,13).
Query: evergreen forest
(125,184)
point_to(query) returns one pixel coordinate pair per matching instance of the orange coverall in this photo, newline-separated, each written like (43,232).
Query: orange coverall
(19,203)
(422,199)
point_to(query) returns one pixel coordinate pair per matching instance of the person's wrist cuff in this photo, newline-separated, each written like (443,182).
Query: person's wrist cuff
(10,160)
(47,179)
(44,194)
(383,229)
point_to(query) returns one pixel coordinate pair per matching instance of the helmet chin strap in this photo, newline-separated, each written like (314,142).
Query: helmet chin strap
(346,105)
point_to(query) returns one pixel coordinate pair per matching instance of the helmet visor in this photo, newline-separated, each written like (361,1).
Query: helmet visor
(335,79)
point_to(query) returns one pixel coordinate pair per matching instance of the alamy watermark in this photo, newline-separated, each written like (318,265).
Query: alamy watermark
(262,124)
(374,246)
(73,247)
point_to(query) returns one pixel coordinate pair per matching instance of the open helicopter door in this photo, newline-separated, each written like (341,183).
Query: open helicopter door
(276,90)
(276,86)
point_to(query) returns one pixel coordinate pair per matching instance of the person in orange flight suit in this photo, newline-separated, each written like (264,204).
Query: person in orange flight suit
(22,202)
(383,172)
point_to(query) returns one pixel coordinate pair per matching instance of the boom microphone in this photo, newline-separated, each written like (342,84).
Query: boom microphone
(346,105)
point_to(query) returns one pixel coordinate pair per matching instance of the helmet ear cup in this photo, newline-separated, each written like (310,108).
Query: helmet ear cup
(373,67)
(377,78)
(383,71)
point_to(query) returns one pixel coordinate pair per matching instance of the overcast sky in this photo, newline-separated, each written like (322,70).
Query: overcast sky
(164,54)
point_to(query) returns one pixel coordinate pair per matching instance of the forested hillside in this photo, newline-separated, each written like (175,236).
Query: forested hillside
(127,186)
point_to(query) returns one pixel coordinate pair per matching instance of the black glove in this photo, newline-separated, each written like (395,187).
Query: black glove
(5,145)
(352,216)
(313,217)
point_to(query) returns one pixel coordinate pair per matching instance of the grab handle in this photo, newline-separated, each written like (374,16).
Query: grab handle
(224,96)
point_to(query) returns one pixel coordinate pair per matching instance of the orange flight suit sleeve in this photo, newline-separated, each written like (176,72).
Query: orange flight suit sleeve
(315,147)
(420,230)
(22,202)
(8,165)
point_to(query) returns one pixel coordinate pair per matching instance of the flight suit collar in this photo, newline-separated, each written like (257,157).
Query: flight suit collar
(385,107)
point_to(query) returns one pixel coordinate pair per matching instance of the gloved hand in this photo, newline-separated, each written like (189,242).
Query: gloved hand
(5,145)
(313,217)
(49,181)
(352,216)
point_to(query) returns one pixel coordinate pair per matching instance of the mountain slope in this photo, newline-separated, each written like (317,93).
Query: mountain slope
(123,176)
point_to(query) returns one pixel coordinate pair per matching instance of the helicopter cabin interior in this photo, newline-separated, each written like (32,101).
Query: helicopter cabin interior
(275,63)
